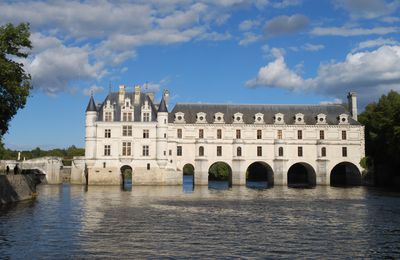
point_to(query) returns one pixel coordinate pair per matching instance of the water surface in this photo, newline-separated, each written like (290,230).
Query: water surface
(68,222)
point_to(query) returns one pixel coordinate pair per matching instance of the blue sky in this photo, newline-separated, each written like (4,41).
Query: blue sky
(214,51)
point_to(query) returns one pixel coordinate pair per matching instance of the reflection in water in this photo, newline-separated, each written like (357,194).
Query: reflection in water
(188,183)
(218,185)
(153,222)
(258,185)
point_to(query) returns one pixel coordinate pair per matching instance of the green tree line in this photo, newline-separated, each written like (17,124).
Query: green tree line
(68,153)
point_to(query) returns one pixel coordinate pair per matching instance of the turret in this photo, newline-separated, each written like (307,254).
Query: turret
(352,102)
(90,125)
(162,128)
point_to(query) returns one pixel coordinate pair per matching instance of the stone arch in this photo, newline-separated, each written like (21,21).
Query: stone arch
(345,174)
(301,175)
(188,174)
(126,175)
(259,175)
(220,175)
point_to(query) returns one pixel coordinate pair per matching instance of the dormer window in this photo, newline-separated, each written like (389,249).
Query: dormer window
(238,118)
(127,104)
(201,117)
(219,117)
(259,118)
(179,117)
(108,112)
(279,118)
(321,119)
(343,119)
(299,119)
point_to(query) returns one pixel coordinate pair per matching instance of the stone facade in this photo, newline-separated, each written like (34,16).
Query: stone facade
(130,130)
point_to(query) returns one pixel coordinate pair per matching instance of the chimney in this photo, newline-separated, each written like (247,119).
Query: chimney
(137,95)
(151,96)
(166,96)
(352,101)
(121,96)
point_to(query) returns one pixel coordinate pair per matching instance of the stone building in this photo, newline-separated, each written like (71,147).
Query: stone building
(290,144)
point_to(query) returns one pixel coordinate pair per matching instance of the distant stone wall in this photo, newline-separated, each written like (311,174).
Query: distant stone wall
(15,188)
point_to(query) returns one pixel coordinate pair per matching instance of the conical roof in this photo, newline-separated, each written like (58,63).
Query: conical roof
(163,106)
(91,106)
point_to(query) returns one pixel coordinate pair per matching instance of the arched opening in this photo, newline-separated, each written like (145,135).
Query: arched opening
(220,176)
(188,177)
(345,174)
(259,175)
(301,175)
(126,175)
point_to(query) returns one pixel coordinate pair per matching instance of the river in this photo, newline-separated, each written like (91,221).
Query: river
(99,222)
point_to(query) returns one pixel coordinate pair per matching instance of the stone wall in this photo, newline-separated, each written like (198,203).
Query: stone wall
(15,188)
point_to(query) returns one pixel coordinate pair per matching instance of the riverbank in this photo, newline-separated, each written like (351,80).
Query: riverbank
(14,188)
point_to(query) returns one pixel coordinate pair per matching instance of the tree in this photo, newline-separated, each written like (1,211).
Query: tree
(14,81)
(382,138)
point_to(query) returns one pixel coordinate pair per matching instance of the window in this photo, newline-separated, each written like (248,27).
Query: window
(107,150)
(170,152)
(280,151)
(165,121)
(146,117)
(219,133)
(219,150)
(146,133)
(104,164)
(238,134)
(239,151)
(279,134)
(344,135)
(323,152)
(259,134)
(179,150)
(179,133)
(201,151)
(165,135)
(108,116)
(201,133)
(145,150)
(259,151)
(300,151)
(344,151)
(299,134)
(321,134)
(148,166)
(107,133)
(127,130)
(127,116)
(126,148)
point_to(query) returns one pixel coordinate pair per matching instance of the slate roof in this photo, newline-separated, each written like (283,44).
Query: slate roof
(91,106)
(163,106)
(113,97)
(310,112)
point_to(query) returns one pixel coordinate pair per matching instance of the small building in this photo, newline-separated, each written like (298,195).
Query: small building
(129,131)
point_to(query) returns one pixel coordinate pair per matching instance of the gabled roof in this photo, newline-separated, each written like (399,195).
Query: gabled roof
(91,106)
(289,111)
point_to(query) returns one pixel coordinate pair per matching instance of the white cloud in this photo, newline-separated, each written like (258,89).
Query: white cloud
(371,74)
(249,38)
(92,90)
(286,3)
(350,31)
(390,19)
(332,102)
(248,24)
(285,25)
(313,47)
(375,43)
(368,9)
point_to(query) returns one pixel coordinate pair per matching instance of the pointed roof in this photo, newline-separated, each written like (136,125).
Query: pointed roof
(91,106)
(163,106)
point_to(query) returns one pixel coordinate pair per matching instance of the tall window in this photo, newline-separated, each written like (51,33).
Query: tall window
(107,133)
(300,151)
(179,150)
(108,116)
(259,151)
(344,135)
(323,152)
(201,151)
(126,148)
(201,133)
(145,150)
(146,133)
(259,134)
(321,134)
(127,130)
(146,117)
(219,150)
(219,133)
(179,133)
(279,134)
(238,134)
(127,116)
(344,151)
(107,150)
(299,134)
(239,151)
(280,151)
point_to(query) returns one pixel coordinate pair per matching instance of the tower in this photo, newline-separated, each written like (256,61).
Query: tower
(162,128)
(90,125)
(352,101)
